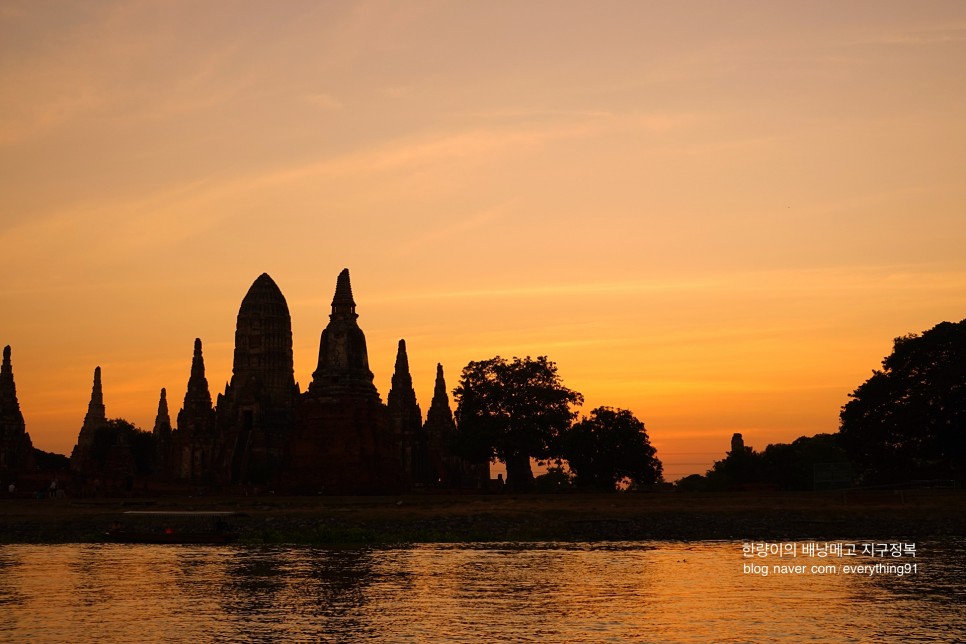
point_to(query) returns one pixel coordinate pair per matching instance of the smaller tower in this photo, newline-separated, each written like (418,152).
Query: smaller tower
(737,444)
(406,420)
(95,419)
(162,433)
(448,469)
(194,439)
(162,422)
(439,412)
(96,412)
(440,430)
(16,450)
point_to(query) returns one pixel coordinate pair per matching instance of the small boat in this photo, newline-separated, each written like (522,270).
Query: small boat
(149,526)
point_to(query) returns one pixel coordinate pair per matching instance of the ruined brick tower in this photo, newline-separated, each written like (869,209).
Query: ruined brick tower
(257,411)
(447,469)
(96,418)
(440,431)
(162,434)
(16,450)
(194,439)
(406,422)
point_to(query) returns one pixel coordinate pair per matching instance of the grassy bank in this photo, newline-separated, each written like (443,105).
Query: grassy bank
(565,517)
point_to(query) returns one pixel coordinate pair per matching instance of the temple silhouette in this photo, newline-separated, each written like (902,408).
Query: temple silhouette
(335,437)
(16,449)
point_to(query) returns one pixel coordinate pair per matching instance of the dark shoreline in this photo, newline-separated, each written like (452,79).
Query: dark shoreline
(742,516)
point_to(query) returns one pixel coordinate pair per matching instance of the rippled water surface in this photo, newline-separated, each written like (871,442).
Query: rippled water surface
(622,592)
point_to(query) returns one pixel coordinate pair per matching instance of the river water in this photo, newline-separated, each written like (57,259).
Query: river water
(618,592)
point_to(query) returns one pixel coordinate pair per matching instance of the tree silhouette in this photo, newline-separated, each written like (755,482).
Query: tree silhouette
(513,411)
(788,466)
(555,479)
(908,421)
(121,448)
(792,466)
(741,467)
(610,448)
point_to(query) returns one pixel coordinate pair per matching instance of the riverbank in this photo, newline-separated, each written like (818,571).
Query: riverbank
(499,517)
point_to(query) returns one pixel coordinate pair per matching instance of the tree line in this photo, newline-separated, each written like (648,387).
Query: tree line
(905,424)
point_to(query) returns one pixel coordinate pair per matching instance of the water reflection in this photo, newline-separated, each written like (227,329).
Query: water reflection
(291,593)
(653,592)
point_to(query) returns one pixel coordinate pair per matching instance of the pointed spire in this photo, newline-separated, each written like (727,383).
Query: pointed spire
(6,375)
(191,457)
(96,412)
(8,390)
(198,366)
(96,392)
(439,416)
(406,421)
(16,450)
(162,422)
(402,396)
(197,378)
(162,407)
(439,390)
(96,418)
(402,360)
(402,381)
(197,397)
(342,302)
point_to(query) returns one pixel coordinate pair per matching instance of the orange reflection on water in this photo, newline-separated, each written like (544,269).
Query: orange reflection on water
(642,592)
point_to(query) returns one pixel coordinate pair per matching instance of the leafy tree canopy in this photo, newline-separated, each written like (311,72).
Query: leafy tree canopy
(51,462)
(788,466)
(555,479)
(512,411)
(120,447)
(793,466)
(908,421)
(610,448)
(741,467)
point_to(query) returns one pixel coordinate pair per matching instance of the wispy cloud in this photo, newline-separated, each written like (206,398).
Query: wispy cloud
(827,280)
(658,121)
(923,36)
(461,226)
(99,72)
(397,92)
(216,80)
(419,151)
(179,211)
(21,120)
(324,101)
(559,289)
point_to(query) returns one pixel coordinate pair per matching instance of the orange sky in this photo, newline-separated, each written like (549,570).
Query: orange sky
(717,215)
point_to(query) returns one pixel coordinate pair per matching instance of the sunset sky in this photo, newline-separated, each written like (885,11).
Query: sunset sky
(715,214)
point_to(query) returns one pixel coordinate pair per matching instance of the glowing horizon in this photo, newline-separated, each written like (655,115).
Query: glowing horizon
(716,216)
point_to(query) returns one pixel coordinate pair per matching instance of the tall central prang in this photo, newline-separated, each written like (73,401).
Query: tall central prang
(256,413)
